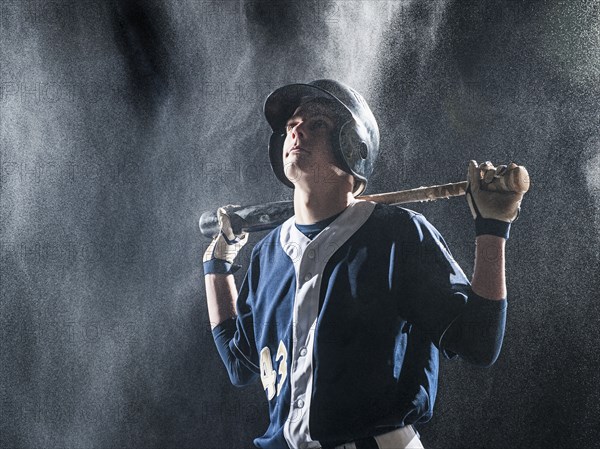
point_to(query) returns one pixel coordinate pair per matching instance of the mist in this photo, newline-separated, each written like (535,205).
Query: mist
(122,121)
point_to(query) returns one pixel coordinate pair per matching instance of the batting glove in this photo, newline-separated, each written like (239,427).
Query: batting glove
(220,254)
(493,211)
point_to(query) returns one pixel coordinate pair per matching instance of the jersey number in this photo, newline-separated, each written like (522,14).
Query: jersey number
(267,373)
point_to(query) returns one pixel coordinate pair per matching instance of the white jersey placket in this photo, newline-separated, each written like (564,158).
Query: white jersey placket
(309,259)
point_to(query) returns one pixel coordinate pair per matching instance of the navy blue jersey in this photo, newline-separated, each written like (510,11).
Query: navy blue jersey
(344,330)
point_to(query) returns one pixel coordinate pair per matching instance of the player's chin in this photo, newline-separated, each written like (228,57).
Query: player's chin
(299,159)
(294,170)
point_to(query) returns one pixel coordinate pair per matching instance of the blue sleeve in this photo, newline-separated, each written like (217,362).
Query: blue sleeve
(440,301)
(234,337)
(477,333)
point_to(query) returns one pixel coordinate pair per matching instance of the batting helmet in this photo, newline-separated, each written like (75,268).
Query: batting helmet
(357,143)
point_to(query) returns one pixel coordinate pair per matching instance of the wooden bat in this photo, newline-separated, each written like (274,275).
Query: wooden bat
(514,179)
(266,216)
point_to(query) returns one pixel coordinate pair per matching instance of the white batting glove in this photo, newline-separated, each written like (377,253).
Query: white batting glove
(222,251)
(493,211)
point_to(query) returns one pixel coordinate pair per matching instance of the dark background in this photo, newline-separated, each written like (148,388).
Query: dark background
(121,121)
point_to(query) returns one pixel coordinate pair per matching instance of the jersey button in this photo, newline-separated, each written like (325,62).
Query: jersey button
(300,403)
(307,277)
(302,352)
(311,254)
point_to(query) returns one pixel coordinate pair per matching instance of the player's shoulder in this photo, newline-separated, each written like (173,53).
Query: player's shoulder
(396,214)
(267,243)
(397,222)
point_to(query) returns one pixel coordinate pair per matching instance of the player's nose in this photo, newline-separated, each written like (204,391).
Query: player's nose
(299,131)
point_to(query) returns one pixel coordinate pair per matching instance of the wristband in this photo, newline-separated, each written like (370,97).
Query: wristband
(219,266)
(490,226)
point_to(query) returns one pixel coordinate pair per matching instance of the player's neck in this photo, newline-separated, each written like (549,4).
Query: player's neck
(321,202)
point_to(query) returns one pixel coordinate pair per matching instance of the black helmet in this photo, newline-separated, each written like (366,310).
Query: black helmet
(358,141)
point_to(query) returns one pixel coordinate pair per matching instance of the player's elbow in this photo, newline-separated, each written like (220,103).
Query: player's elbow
(478,333)
(240,376)
(475,344)
(483,360)
(241,381)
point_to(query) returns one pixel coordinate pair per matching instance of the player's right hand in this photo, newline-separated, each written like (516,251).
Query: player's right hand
(226,245)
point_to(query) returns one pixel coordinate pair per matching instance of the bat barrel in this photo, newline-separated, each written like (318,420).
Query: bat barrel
(209,224)
(255,218)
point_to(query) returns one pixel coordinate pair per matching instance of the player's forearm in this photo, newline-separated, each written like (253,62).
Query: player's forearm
(489,280)
(221,294)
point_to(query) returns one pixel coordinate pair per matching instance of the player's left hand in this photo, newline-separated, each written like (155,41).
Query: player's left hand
(487,203)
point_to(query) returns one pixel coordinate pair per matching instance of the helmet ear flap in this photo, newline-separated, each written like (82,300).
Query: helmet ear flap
(352,145)
(353,149)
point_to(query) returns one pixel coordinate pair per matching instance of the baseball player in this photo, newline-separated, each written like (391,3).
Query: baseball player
(345,307)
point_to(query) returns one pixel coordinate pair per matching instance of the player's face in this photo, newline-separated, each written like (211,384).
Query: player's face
(308,147)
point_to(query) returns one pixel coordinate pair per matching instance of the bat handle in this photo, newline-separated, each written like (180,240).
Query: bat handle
(514,179)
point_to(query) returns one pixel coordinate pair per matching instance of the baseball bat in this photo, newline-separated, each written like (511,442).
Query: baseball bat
(261,217)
